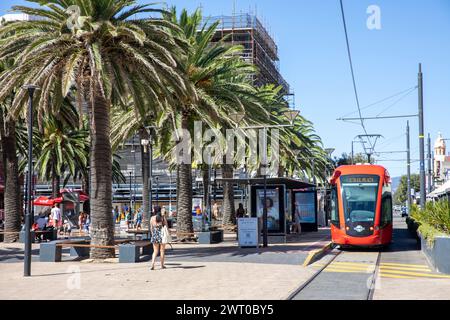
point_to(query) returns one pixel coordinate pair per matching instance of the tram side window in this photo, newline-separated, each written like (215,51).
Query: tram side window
(386,210)
(334,208)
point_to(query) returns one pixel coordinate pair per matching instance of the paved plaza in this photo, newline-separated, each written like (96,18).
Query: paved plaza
(216,272)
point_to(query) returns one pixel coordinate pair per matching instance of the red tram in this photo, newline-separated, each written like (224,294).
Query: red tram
(361,206)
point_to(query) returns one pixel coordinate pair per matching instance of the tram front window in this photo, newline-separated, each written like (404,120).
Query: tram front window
(359,195)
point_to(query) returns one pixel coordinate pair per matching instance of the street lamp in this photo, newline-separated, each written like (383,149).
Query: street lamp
(147,143)
(157,188)
(133,151)
(291,115)
(29,215)
(131,201)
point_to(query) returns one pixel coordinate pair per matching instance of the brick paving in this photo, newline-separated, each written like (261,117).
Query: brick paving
(222,271)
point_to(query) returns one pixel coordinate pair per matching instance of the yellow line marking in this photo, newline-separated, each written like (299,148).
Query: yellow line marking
(350,268)
(354,269)
(403,264)
(395,276)
(353,263)
(344,271)
(405,268)
(417,274)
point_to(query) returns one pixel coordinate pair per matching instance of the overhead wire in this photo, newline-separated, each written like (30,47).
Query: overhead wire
(397,101)
(353,76)
(382,100)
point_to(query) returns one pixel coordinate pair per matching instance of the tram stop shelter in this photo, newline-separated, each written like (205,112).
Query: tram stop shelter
(284,197)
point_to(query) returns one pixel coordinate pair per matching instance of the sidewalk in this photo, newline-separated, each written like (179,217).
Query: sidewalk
(222,271)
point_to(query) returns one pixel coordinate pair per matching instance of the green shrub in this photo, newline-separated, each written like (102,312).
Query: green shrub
(433,220)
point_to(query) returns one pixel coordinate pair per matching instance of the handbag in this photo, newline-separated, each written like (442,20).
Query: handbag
(165,235)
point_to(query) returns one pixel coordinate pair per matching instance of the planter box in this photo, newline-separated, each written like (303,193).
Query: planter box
(439,254)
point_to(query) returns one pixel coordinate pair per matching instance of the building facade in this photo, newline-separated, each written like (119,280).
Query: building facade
(441,161)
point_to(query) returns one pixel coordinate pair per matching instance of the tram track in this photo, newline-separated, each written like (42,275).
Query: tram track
(360,281)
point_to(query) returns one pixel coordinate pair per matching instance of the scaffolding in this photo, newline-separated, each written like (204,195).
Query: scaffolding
(259,47)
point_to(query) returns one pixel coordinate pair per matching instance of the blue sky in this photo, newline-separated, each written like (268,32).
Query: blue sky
(313,59)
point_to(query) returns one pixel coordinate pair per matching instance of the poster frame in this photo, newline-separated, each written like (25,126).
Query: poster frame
(306,226)
(281,204)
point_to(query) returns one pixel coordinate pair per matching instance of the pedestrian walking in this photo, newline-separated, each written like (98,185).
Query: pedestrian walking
(81,221)
(158,227)
(129,219)
(138,222)
(297,226)
(88,222)
(215,211)
(56,216)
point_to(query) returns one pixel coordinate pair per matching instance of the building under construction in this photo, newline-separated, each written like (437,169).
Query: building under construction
(259,47)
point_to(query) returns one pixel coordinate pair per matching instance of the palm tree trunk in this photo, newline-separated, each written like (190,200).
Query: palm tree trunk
(56,182)
(102,228)
(228,196)
(13,209)
(206,178)
(185,227)
(145,159)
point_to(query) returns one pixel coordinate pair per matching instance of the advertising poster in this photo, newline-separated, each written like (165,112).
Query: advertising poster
(273,207)
(248,232)
(305,206)
(197,206)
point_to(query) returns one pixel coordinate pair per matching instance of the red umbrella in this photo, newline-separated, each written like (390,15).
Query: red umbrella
(58,200)
(44,201)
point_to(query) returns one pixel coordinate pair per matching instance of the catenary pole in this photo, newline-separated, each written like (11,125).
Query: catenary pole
(421,140)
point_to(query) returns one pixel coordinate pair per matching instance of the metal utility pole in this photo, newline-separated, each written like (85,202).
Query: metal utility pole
(29,214)
(265,231)
(131,191)
(421,140)
(353,154)
(408,167)
(430,171)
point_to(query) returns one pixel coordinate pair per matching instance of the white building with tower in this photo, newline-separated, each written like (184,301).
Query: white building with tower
(441,170)
(441,161)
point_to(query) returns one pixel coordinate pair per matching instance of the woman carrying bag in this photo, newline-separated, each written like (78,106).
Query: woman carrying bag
(160,237)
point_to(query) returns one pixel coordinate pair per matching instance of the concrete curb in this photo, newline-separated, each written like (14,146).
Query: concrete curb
(315,255)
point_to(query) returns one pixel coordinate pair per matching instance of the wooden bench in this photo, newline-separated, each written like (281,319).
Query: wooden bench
(52,251)
(141,232)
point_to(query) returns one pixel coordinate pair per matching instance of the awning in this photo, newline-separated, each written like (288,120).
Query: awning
(44,201)
(290,183)
(444,189)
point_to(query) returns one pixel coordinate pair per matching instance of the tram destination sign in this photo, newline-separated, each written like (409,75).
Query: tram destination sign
(360,179)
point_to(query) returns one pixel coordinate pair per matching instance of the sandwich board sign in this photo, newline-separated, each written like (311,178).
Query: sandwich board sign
(248,232)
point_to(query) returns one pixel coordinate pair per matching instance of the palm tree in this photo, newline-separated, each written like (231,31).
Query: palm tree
(10,164)
(61,147)
(222,82)
(126,124)
(107,58)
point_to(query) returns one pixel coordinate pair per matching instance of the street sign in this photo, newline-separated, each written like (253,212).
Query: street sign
(248,232)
